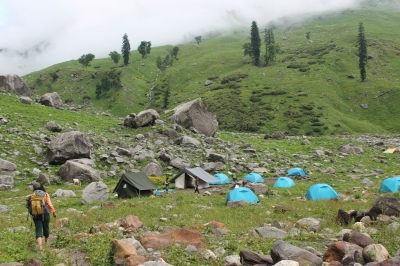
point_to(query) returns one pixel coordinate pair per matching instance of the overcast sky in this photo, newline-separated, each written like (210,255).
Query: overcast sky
(35,34)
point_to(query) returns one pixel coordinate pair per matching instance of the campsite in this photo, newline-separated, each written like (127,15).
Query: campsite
(84,231)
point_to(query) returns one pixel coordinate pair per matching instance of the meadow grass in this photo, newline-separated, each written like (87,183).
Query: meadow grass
(330,56)
(26,123)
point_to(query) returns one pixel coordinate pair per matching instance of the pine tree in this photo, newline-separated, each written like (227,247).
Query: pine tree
(362,51)
(255,43)
(126,49)
(270,48)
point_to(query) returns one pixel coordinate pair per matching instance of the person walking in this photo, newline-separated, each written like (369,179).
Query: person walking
(196,185)
(41,221)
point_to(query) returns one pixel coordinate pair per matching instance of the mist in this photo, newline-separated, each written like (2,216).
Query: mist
(37,34)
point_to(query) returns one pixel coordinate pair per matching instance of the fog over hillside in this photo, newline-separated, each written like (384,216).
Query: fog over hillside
(37,34)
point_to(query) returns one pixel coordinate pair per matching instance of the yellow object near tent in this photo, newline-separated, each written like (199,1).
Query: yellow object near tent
(392,150)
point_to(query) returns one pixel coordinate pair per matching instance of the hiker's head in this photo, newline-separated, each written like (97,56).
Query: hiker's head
(38,186)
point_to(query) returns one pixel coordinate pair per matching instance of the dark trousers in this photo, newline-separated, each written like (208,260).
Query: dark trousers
(42,225)
(196,189)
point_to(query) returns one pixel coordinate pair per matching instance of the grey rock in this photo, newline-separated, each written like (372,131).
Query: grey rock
(43,179)
(179,163)
(51,100)
(53,126)
(375,252)
(309,224)
(66,146)
(270,232)
(6,165)
(187,141)
(154,168)
(144,118)
(366,183)
(73,169)
(216,157)
(285,251)
(64,193)
(14,84)
(350,149)
(95,191)
(4,209)
(233,260)
(258,188)
(25,100)
(287,263)
(170,133)
(195,114)
(6,182)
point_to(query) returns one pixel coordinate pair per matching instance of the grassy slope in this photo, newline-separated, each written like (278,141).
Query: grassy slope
(332,56)
(22,133)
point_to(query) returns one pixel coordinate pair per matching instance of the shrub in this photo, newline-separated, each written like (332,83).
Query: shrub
(277,92)
(233,77)
(317,124)
(338,125)
(255,99)
(296,65)
(308,106)
(304,69)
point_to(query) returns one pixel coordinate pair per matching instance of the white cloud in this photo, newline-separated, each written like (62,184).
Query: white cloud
(66,29)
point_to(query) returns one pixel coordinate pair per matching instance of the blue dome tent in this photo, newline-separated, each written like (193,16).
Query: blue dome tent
(284,182)
(223,179)
(254,177)
(297,172)
(321,192)
(390,185)
(242,193)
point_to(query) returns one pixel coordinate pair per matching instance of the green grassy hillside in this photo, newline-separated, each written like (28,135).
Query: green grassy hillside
(306,91)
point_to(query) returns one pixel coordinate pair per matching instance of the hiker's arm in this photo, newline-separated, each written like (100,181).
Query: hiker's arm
(49,204)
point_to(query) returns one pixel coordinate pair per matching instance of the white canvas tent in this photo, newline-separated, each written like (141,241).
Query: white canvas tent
(185,178)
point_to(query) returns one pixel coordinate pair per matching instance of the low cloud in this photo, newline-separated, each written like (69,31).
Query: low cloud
(38,34)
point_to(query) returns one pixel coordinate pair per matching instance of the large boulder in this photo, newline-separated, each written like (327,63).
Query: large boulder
(74,169)
(282,250)
(144,118)
(389,206)
(14,84)
(154,168)
(69,145)
(351,149)
(7,166)
(95,191)
(51,100)
(195,116)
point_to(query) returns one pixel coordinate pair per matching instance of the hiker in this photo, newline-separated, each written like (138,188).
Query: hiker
(166,184)
(41,220)
(196,185)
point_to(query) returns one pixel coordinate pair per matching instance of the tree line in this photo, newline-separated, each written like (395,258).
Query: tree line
(253,48)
